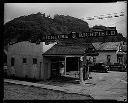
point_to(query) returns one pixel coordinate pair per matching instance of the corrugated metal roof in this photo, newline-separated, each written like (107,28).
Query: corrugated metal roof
(97,45)
(62,50)
(69,48)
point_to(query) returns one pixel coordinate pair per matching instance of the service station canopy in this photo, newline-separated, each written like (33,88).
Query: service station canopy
(110,31)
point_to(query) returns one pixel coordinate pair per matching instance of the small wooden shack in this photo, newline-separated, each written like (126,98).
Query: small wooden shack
(68,53)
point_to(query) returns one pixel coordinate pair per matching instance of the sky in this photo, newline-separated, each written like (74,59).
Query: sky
(78,10)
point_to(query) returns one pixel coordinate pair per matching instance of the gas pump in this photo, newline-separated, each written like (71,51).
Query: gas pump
(81,70)
(84,69)
(85,72)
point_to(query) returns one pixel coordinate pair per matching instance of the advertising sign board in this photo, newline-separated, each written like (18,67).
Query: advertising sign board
(110,31)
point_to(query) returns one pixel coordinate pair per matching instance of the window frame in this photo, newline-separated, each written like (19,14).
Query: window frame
(34,60)
(24,60)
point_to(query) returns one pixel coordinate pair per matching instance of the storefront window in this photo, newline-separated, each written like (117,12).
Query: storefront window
(119,59)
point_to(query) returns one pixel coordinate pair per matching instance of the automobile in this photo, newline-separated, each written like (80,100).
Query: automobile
(121,14)
(117,67)
(99,67)
(116,16)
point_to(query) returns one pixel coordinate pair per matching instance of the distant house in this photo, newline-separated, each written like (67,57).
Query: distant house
(109,52)
(41,61)
(122,53)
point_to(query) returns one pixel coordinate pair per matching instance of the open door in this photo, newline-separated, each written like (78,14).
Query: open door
(55,70)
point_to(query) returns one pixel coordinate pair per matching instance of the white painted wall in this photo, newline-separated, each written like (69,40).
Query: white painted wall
(29,51)
(102,57)
(28,48)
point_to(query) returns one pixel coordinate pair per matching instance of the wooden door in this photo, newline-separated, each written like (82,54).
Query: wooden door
(40,70)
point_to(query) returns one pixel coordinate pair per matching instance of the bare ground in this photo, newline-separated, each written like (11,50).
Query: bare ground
(19,92)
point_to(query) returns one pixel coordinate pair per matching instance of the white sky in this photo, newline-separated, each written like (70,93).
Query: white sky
(78,10)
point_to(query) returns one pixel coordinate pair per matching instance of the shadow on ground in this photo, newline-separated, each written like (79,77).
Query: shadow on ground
(61,81)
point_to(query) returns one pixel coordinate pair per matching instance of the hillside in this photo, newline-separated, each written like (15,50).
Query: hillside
(33,26)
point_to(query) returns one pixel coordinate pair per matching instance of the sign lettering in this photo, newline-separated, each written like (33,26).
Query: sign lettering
(95,33)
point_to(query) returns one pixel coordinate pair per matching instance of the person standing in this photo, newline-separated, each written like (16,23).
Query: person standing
(62,69)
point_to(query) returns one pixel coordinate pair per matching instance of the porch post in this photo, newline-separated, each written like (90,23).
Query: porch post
(78,65)
(81,70)
(65,66)
(85,67)
(123,59)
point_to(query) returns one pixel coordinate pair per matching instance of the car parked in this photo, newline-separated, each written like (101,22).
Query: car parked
(118,67)
(99,67)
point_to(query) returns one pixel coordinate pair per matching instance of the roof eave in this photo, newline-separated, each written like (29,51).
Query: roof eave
(105,50)
(61,54)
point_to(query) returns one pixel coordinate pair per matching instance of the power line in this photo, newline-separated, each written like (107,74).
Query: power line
(118,22)
(101,17)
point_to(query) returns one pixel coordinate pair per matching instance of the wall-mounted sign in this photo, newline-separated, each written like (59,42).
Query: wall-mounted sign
(110,31)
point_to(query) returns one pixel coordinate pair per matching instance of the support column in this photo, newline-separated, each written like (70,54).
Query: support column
(78,65)
(81,75)
(123,59)
(85,67)
(65,66)
(81,70)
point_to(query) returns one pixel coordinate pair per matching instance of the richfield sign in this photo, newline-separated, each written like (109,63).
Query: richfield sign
(110,31)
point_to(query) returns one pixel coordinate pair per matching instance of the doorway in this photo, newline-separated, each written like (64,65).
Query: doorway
(55,66)
(56,63)
(54,69)
(72,64)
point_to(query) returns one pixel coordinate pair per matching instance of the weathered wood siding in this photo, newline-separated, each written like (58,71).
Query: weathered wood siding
(47,66)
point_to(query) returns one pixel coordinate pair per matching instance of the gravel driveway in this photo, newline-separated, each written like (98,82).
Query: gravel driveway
(19,92)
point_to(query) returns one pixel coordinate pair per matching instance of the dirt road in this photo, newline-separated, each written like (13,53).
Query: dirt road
(19,92)
(112,85)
